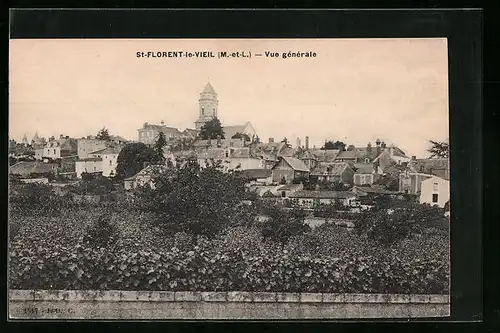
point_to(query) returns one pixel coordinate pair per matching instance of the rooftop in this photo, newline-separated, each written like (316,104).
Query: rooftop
(322,194)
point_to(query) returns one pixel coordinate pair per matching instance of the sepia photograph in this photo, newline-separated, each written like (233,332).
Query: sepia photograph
(229,179)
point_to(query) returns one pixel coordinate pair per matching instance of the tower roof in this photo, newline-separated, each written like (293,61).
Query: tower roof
(208,89)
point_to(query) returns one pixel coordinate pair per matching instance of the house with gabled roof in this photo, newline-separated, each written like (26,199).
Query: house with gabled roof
(289,169)
(341,172)
(145,176)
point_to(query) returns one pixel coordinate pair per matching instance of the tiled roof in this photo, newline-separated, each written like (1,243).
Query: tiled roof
(351,154)
(90,159)
(325,155)
(364,152)
(373,189)
(212,153)
(168,131)
(306,155)
(330,169)
(434,166)
(26,168)
(295,163)
(363,168)
(287,151)
(108,150)
(230,131)
(322,194)
(256,173)
(149,171)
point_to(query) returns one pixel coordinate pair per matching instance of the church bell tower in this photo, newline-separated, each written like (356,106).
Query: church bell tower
(208,105)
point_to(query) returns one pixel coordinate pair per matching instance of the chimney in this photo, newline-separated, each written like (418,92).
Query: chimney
(219,140)
(377,142)
(298,142)
(307,142)
(383,145)
(271,140)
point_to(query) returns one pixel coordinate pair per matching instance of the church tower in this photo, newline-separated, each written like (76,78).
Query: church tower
(208,105)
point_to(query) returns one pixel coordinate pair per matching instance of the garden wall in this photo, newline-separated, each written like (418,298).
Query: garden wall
(79,304)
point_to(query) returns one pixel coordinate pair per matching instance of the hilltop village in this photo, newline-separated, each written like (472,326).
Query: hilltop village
(274,168)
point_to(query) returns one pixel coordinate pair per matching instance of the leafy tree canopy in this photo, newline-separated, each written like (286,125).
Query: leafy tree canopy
(132,158)
(439,149)
(211,130)
(199,201)
(330,145)
(241,135)
(161,142)
(103,134)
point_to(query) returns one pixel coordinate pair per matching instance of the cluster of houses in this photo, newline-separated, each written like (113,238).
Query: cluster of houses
(273,169)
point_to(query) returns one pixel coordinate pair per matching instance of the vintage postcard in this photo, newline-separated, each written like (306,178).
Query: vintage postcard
(223,179)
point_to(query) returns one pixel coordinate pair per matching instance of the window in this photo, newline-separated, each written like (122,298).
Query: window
(435,187)
(421,168)
(283,194)
(94,168)
(367,160)
(110,162)
(54,151)
(434,198)
(202,111)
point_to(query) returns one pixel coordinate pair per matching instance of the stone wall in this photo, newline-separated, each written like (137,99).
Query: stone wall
(81,304)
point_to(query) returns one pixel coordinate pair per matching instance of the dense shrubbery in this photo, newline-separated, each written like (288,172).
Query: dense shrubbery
(193,232)
(77,266)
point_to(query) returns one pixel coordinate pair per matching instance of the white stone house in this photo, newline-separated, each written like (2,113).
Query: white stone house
(435,191)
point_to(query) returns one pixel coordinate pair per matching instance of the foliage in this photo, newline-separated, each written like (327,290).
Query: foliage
(34,199)
(132,158)
(200,201)
(94,186)
(211,130)
(103,134)
(102,233)
(329,145)
(388,226)
(439,149)
(160,143)
(282,225)
(240,136)
(285,141)
(79,266)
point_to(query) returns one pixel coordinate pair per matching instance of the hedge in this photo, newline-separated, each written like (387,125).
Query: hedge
(80,266)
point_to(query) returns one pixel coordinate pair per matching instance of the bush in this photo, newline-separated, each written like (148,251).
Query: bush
(102,233)
(35,266)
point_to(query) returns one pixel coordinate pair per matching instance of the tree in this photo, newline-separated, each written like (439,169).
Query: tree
(199,201)
(282,225)
(389,226)
(330,145)
(132,158)
(211,130)
(160,143)
(240,136)
(103,134)
(439,149)
(285,141)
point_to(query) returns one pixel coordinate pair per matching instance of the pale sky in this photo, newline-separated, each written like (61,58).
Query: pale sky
(354,90)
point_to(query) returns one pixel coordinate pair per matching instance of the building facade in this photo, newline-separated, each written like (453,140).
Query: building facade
(435,191)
